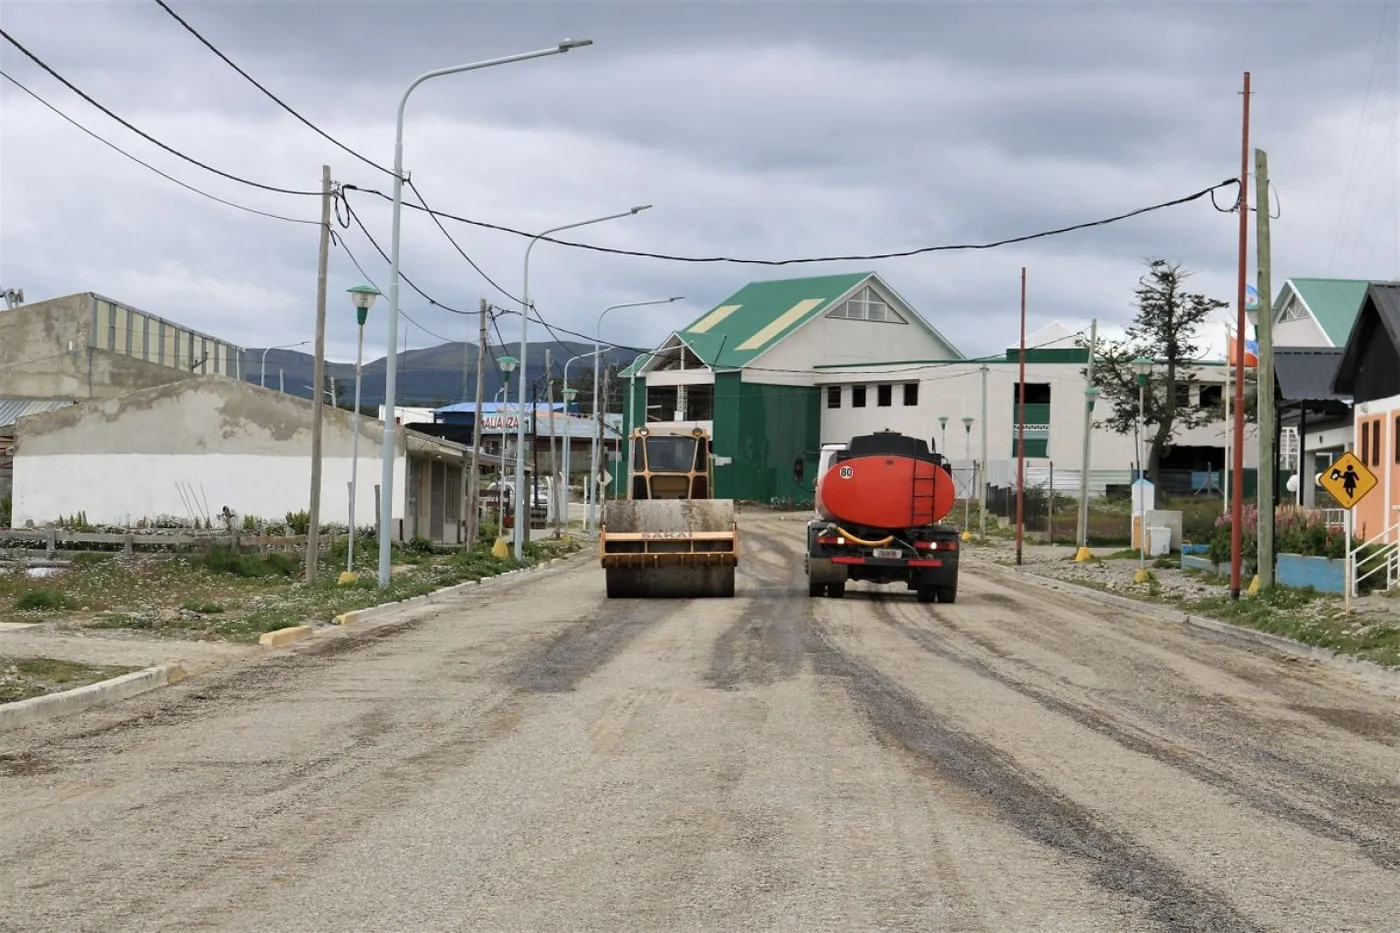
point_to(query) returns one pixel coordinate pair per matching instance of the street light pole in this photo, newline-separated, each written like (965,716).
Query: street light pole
(597,433)
(362,296)
(943,435)
(262,375)
(569,395)
(386,503)
(1142,367)
(520,529)
(967,493)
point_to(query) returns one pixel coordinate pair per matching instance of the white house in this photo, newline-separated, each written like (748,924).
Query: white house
(201,444)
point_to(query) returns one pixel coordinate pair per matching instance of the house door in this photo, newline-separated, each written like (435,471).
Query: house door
(437,501)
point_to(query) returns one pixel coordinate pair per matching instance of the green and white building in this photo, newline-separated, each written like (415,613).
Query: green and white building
(781,367)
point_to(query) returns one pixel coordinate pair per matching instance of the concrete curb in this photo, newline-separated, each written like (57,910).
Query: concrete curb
(37,709)
(1238,633)
(368,614)
(284,636)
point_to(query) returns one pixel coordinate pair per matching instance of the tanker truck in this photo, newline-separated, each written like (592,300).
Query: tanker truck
(879,501)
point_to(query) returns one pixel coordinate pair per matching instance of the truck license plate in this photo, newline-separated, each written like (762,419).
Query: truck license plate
(888,552)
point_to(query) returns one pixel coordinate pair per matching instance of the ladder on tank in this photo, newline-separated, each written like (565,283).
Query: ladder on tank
(925,493)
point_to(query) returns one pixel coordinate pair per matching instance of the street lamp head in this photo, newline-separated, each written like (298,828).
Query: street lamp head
(676,298)
(1142,366)
(507,364)
(1091,395)
(362,297)
(570,393)
(942,421)
(574,44)
(967,422)
(641,207)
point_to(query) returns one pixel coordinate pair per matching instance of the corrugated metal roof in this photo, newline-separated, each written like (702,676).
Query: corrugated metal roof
(1383,301)
(1305,373)
(1334,304)
(12,409)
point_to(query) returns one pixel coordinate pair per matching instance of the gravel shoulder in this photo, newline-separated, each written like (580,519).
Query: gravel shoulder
(534,756)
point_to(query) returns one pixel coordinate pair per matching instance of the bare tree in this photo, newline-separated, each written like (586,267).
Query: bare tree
(1165,331)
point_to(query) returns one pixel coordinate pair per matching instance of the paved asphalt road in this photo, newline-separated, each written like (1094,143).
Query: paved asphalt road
(535,757)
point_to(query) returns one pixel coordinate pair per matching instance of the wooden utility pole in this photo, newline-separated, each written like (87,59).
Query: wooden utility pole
(1021,430)
(553,456)
(473,480)
(318,379)
(982,473)
(1237,492)
(1083,553)
(1268,473)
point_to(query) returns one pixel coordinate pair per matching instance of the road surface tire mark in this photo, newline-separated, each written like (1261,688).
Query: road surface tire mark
(1378,846)
(581,649)
(764,645)
(1120,864)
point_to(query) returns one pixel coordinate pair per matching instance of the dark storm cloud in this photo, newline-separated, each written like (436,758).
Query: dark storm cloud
(775,129)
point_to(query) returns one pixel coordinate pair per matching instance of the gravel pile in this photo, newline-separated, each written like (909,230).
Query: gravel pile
(1117,577)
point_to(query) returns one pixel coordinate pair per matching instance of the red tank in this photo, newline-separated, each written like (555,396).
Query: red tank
(885,480)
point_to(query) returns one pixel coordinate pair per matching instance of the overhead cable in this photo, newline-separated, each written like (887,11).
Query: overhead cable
(142,133)
(899,254)
(113,146)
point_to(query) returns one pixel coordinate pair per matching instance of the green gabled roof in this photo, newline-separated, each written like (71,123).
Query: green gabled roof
(1334,304)
(753,319)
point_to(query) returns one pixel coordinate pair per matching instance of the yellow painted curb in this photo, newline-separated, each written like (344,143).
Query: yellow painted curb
(174,673)
(284,636)
(347,618)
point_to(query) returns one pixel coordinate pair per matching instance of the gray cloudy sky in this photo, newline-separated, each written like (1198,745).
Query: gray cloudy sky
(767,130)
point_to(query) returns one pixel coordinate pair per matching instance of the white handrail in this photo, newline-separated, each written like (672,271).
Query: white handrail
(1386,558)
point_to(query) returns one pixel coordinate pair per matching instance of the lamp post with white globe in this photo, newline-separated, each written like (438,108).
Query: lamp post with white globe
(362,297)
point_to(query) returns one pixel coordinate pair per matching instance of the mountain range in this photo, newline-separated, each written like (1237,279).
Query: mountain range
(432,376)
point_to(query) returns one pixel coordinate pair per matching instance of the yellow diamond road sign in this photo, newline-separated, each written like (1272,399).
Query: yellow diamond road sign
(1348,480)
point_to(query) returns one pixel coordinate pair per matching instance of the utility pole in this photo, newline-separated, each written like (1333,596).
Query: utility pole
(1237,492)
(982,474)
(1267,422)
(602,438)
(318,378)
(553,462)
(473,481)
(1021,429)
(1083,554)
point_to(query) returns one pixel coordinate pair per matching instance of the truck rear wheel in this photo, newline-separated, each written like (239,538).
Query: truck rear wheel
(927,594)
(948,594)
(836,590)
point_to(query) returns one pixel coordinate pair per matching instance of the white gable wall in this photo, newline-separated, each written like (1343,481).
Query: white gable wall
(1294,325)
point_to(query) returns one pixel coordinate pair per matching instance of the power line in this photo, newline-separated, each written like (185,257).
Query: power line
(1204,192)
(113,146)
(142,133)
(461,252)
(277,100)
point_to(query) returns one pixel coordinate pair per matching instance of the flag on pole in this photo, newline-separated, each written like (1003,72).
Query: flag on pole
(1251,349)
(1251,298)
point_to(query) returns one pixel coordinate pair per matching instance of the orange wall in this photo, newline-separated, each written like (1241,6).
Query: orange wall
(1376,446)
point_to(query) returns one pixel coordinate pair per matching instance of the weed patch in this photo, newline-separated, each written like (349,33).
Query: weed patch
(23,678)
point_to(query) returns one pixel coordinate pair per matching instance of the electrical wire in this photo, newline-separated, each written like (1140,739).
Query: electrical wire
(275,99)
(340,241)
(114,147)
(471,262)
(380,250)
(142,133)
(1204,192)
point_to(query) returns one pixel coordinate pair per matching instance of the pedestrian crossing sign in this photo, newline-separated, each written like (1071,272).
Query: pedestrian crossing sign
(1348,480)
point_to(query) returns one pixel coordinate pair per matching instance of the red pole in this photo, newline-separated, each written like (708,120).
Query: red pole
(1237,492)
(1021,429)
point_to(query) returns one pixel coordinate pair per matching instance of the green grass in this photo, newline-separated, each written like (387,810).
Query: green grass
(237,596)
(1309,617)
(23,678)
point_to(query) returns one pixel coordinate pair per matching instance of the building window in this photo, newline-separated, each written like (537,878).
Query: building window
(1365,442)
(833,396)
(1397,438)
(857,396)
(866,305)
(1376,442)
(1183,395)
(1212,396)
(911,394)
(884,395)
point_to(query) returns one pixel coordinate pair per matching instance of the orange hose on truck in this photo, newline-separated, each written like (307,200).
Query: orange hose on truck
(880,502)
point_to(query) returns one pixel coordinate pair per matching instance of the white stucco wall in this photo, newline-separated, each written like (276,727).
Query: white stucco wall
(1303,333)
(120,489)
(834,341)
(127,458)
(955,390)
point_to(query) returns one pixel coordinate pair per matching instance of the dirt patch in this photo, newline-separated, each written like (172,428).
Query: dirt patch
(586,646)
